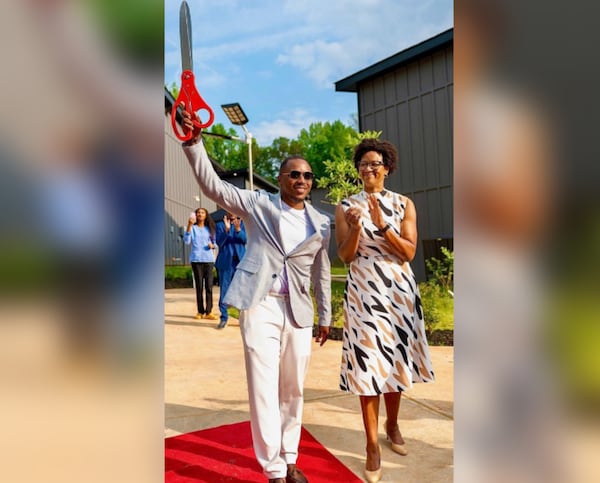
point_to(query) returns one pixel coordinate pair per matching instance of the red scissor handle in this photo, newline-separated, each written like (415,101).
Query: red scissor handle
(190,97)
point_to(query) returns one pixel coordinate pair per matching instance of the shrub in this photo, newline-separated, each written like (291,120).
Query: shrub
(441,272)
(438,306)
(178,276)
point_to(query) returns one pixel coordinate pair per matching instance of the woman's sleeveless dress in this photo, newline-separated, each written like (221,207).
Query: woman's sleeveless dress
(384,343)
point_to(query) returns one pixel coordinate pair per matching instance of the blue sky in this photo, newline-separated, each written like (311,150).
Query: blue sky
(280,59)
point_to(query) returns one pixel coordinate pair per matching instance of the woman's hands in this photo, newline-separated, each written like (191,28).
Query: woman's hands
(375,212)
(352,217)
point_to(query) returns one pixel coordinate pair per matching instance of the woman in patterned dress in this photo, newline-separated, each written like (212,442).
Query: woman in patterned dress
(384,345)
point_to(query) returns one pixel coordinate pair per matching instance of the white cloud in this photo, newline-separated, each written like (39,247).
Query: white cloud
(288,125)
(353,35)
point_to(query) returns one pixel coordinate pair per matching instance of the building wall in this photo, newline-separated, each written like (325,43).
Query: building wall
(182,196)
(412,106)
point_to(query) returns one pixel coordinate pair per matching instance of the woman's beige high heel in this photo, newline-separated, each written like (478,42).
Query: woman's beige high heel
(396,448)
(373,476)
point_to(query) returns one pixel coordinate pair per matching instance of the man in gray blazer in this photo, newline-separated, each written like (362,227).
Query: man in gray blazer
(286,253)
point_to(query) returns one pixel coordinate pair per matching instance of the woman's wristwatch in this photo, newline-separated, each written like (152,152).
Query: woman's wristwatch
(385,228)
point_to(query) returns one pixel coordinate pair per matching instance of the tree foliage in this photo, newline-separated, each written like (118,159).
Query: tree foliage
(269,158)
(227,152)
(442,271)
(174,89)
(340,177)
(329,141)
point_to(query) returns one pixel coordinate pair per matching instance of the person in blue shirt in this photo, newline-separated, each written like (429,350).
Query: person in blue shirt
(200,234)
(231,239)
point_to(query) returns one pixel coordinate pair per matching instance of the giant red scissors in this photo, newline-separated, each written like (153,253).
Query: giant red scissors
(188,94)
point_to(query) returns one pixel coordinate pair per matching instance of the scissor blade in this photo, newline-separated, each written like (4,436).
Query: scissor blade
(185,36)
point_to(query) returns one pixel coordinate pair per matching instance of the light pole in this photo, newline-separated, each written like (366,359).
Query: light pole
(236,115)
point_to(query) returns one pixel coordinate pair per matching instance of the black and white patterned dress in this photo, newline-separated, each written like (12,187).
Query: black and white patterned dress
(384,343)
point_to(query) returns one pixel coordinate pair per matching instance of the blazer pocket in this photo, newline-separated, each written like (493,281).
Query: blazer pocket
(249,266)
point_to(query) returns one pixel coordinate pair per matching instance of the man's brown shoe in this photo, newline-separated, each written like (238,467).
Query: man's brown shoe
(294,475)
(277,480)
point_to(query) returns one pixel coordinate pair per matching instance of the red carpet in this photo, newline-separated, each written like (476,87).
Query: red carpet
(225,453)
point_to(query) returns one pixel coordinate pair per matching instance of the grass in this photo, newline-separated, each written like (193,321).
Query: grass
(339,271)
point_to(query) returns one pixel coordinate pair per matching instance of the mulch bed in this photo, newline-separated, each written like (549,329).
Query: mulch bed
(178,283)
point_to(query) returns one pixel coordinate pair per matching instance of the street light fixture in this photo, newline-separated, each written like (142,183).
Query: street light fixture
(237,116)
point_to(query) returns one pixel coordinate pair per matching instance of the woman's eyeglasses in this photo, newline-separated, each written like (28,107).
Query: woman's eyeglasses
(308,175)
(372,165)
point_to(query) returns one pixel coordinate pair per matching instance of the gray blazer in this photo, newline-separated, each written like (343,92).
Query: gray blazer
(265,256)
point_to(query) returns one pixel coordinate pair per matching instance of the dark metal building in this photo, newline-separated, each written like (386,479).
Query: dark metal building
(408,97)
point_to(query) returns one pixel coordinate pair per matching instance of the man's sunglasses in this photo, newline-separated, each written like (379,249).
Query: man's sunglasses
(308,175)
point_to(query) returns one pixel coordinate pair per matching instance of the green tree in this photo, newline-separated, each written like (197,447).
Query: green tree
(233,153)
(329,141)
(227,152)
(174,89)
(269,158)
(442,271)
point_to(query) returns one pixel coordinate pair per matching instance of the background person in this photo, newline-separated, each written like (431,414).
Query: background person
(384,345)
(200,233)
(286,254)
(231,239)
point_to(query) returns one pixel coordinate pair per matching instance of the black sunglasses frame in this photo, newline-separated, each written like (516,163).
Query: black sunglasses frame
(307,175)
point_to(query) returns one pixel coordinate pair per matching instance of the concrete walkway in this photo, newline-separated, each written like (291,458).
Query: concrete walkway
(205,386)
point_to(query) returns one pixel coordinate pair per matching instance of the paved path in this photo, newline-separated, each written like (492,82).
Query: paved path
(205,386)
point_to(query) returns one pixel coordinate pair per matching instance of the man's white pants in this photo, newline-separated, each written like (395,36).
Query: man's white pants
(277,353)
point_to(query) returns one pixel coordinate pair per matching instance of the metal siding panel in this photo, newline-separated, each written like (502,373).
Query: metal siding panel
(420,200)
(379,93)
(440,70)
(451,110)
(391,125)
(390,88)
(423,214)
(447,207)
(174,246)
(405,161)
(429,141)
(401,84)
(426,74)
(450,64)
(368,122)
(414,87)
(443,136)
(434,214)
(380,121)
(368,100)
(416,144)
